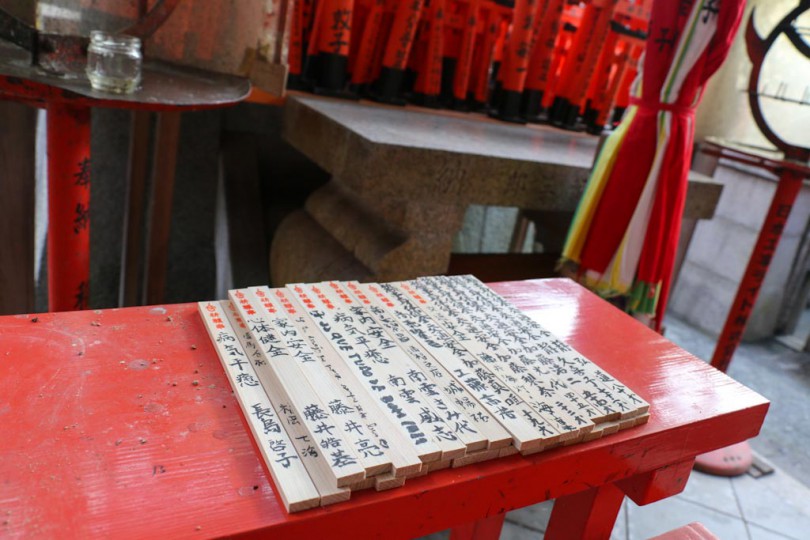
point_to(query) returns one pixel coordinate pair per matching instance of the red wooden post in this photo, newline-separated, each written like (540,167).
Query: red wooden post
(589,42)
(595,99)
(363,66)
(790,182)
(313,39)
(540,65)
(587,514)
(599,41)
(328,50)
(573,61)
(607,96)
(68,207)
(435,51)
(659,484)
(507,98)
(622,99)
(428,83)
(469,31)
(295,55)
(485,58)
(562,54)
(397,50)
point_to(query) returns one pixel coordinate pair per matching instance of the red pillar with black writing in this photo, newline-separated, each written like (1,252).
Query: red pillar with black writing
(597,44)
(478,93)
(461,79)
(562,48)
(328,58)
(630,42)
(605,97)
(482,55)
(68,207)
(395,60)
(429,77)
(508,94)
(590,39)
(573,62)
(537,77)
(600,78)
(310,67)
(295,53)
(363,65)
(308,16)
(622,99)
(451,42)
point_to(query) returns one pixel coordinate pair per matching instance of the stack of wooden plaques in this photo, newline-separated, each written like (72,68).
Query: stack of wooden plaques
(349,386)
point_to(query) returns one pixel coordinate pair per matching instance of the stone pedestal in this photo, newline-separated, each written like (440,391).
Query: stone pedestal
(350,235)
(402,179)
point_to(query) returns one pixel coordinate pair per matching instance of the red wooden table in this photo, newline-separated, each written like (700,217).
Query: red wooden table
(121,422)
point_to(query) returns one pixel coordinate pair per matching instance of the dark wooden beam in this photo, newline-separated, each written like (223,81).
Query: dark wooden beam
(17,155)
(243,198)
(163,174)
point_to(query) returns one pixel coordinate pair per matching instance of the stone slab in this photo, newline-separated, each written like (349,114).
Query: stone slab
(460,158)
(402,179)
(702,298)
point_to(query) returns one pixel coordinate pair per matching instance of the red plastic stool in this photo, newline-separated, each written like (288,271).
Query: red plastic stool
(693,531)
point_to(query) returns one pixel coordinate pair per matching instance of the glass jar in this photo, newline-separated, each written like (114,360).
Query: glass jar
(114,62)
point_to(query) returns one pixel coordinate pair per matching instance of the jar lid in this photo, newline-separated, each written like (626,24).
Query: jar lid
(106,39)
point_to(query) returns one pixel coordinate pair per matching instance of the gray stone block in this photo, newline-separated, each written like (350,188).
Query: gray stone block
(722,247)
(766,310)
(498,227)
(702,297)
(798,216)
(745,198)
(468,238)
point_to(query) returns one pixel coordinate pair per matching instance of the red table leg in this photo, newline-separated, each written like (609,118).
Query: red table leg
(657,485)
(68,207)
(587,514)
(484,529)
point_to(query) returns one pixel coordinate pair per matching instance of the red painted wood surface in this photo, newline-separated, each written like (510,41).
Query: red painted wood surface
(106,433)
(659,484)
(586,514)
(482,529)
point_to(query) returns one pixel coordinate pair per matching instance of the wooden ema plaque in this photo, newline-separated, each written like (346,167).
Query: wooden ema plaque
(349,386)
